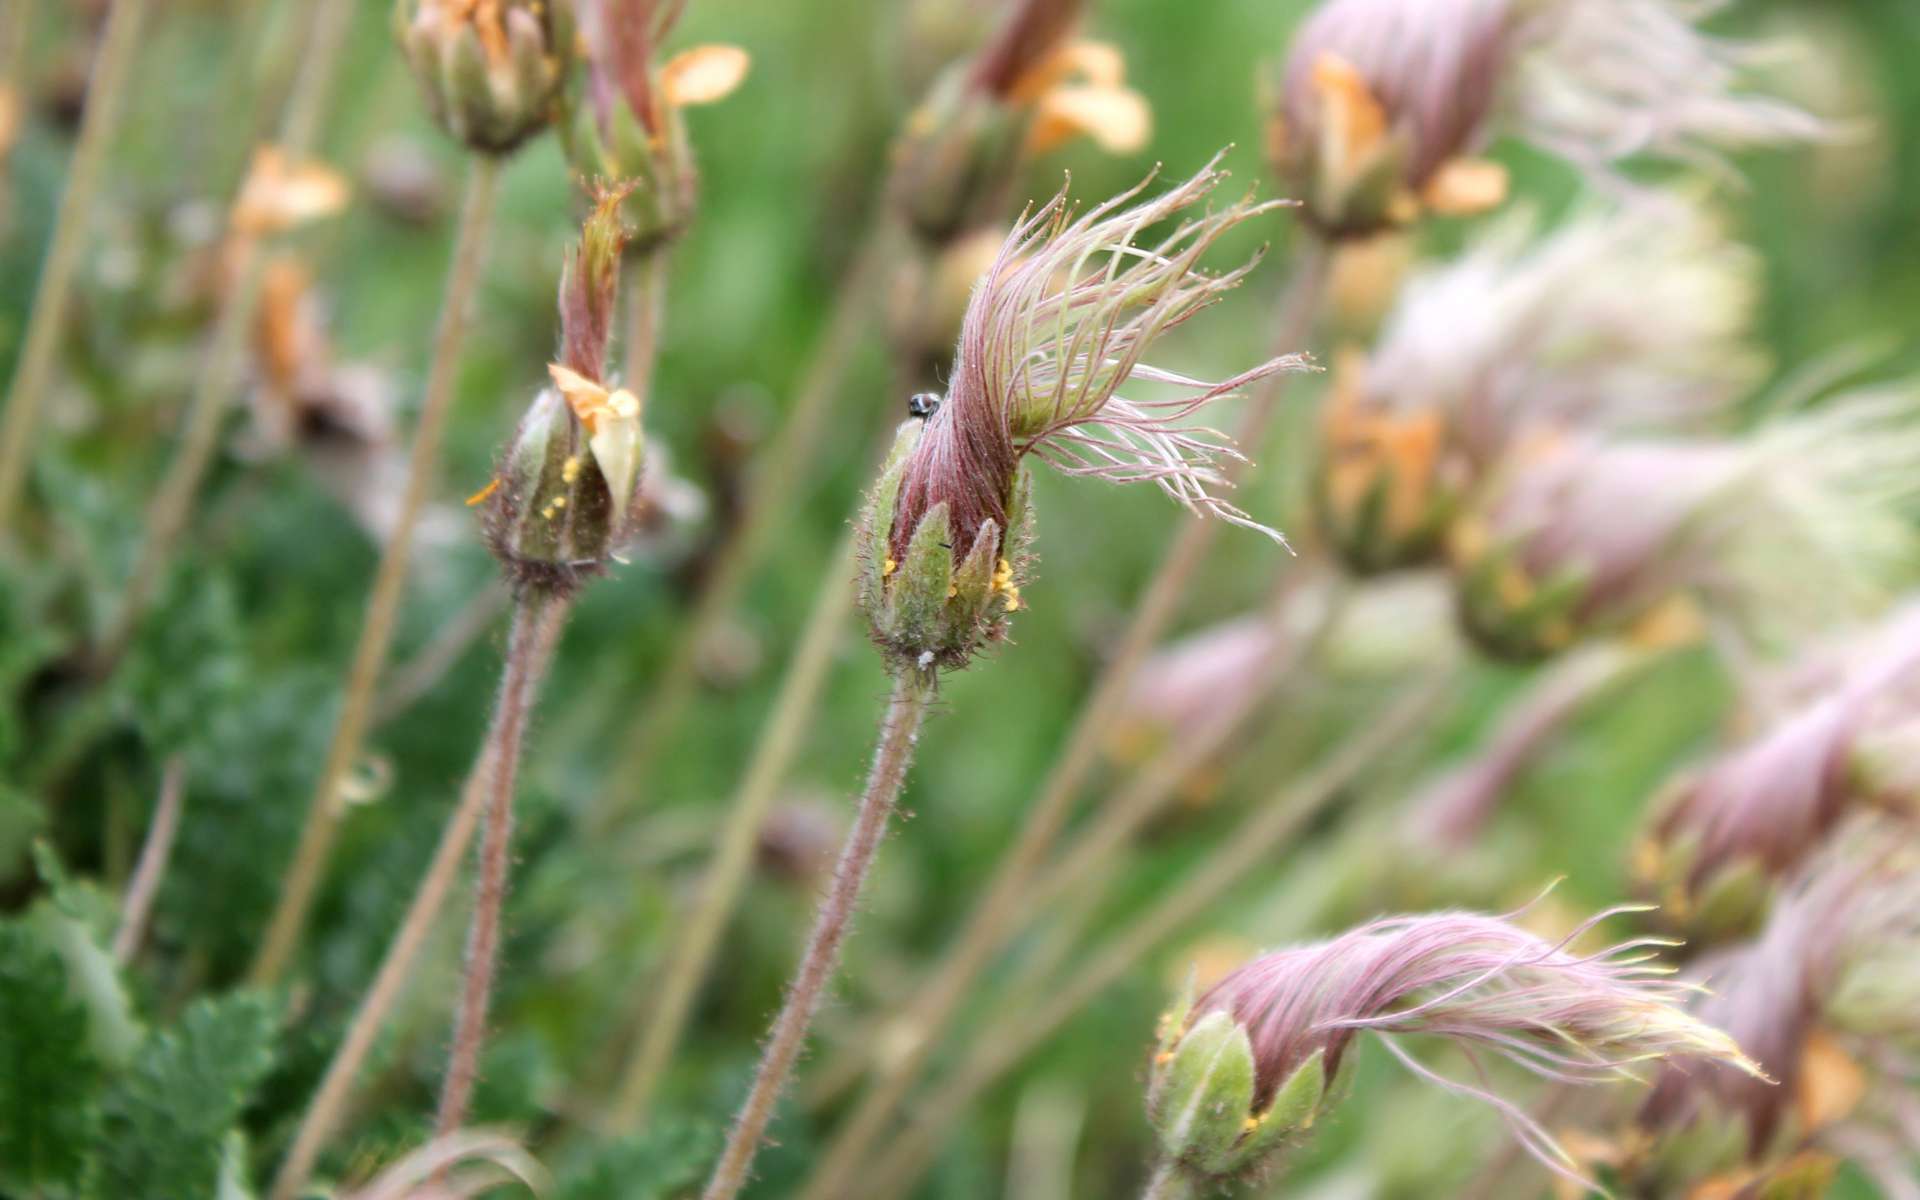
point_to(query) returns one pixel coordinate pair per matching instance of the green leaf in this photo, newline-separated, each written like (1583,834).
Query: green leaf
(48,1076)
(669,1160)
(168,1118)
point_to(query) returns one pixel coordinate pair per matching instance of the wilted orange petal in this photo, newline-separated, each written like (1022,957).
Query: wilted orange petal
(1117,119)
(1353,116)
(1098,63)
(279,195)
(1831,1083)
(587,399)
(1463,187)
(703,74)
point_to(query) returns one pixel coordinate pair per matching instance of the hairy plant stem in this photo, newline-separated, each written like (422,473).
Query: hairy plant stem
(389,583)
(224,359)
(1251,845)
(935,1003)
(519,685)
(646,314)
(154,853)
(913,690)
(329,1100)
(665,1017)
(777,480)
(1168,1184)
(106,92)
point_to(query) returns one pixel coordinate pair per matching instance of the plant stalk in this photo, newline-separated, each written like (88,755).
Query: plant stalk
(928,1012)
(777,480)
(329,1100)
(389,583)
(519,686)
(1250,846)
(221,366)
(692,954)
(106,93)
(913,690)
(154,854)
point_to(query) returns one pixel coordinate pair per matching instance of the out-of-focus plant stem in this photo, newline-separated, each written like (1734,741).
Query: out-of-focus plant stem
(665,1018)
(106,95)
(329,1100)
(221,365)
(937,1000)
(777,481)
(390,580)
(154,853)
(527,652)
(913,691)
(1251,845)
(646,314)
(1167,1184)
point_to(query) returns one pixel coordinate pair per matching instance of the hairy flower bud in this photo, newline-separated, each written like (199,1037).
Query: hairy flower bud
(628,124)
(1381,103)
(1250,1066)
(562,499)
(1634,319)
(1054,329)
(1029,89)
(1577,536)
(1727,832)
(492,71)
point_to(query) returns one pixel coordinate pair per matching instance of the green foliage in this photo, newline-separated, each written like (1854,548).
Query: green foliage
(668,1161)
(167,1120)
(48,1114)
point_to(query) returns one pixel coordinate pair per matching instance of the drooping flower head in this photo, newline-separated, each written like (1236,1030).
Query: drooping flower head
(1792,527)
(1727,832)
(1830,976)
(627,124)
(1635,318)
(561,501)
(1032,87)
(1250,1066)
(1382,103)
(1055,328)
(492,71)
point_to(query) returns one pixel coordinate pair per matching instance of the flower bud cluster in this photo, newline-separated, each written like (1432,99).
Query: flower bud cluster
(492,71)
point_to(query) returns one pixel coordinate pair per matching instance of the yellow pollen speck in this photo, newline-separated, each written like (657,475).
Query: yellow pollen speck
(553,507)
(1252,1124)
(1163,1058)
(570,470)
(479,497)
(1013,599)
(889,567)
(953,589)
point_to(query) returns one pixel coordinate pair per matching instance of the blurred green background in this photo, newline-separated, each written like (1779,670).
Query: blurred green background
(240,667)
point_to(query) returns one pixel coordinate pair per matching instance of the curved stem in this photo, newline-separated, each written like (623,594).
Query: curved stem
(389,583)
(105,95)
(899,730)
(221,366)
(1246,848)
(776,483)
(519,684)
(145,884)
(666,1017)
(329,1100)
(1000,905)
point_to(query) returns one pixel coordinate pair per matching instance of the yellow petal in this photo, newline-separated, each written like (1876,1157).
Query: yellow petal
(1116,118)
(1463,187)
(279,194)
(1095,62)
(703,74)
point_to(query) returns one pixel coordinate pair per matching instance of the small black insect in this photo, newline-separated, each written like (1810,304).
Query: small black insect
(923,404)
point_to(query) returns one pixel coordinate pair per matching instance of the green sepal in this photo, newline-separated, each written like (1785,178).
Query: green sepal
(1295,1107)
(468,104)
(973,582)
(1733,900)
(1173,1022)
(917,593)
(1206,1094)
(876,523)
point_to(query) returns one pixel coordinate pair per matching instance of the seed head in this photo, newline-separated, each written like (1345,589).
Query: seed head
(1251,1065)
(492,71)
(1054,329)
(628,124)
(561,501)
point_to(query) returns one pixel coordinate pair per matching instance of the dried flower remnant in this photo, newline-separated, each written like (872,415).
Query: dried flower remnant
(1383,104)
(1029,89)
(1245,1071)
(1055,328)
(559,505)
(492,71)
(1789,528)
(1726,832)
(1636,318)
(627,124)
(279,194)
